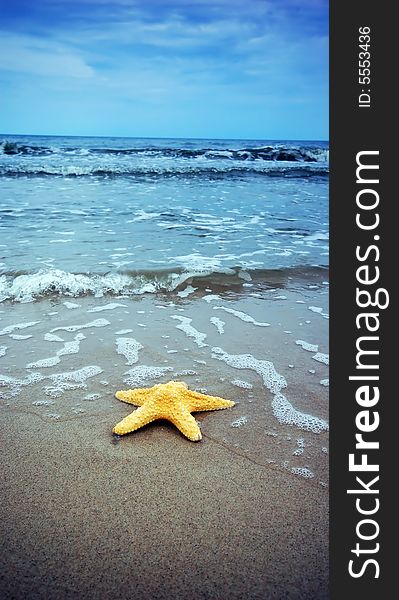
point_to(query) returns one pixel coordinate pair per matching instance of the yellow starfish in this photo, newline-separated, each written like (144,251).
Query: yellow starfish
(172,401)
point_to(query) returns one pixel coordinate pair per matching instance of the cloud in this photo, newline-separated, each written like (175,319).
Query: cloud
(36,56)
(168,60)
(174,34)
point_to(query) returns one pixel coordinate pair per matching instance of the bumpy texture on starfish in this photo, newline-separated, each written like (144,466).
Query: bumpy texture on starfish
(172,401)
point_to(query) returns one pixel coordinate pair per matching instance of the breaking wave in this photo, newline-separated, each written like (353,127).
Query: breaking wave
(146,161)
(30,286)
(278,152)
(140,173)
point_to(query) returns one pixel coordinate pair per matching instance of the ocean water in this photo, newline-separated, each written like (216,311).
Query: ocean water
(130,262)
(81,215)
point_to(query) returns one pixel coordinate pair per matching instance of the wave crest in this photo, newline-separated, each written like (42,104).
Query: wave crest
(276,152)
(28,287)
(161,172)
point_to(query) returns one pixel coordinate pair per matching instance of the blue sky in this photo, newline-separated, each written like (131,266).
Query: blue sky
(165,68)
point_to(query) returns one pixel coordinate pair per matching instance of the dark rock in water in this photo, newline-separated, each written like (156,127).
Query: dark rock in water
(10,148)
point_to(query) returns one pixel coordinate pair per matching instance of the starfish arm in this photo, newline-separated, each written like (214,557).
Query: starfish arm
(186,424)
(137,396)
(198,402)
(138,418)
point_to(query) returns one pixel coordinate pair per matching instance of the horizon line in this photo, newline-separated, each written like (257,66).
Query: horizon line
(145,137)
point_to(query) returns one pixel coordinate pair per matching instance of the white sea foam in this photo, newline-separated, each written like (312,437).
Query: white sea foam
(240,422)
(287,414)
(139,375)
(7,381)
(129,348)
(307,346)
(44,362)
(11,328)
(142,215)
(325,382)
(71,305)
(218,323)
(123,331)
(300,447)
(242,384)
(323,358)
(50,337)
(71,347)
(96,323)
(190,331)
(319,235)
(318,310)
(54,416)
(197,264)
(303,471)
(43,402)
(168,225)
(25,288)
(245,275)
(241,315)
(210,297)
(70,380)
(185,373)
(15,336)
(92,397)
(3,350)
(187,291)
(110,306)
(271,379)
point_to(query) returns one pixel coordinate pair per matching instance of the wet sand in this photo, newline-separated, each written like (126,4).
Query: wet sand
(241,514)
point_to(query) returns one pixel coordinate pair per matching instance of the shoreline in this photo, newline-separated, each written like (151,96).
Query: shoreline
(151,514)
(167,283)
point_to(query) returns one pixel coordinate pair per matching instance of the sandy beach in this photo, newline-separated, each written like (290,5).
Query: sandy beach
(241,514)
